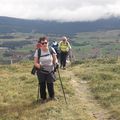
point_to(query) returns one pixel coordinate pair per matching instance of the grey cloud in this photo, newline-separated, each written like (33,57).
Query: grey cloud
(60,10)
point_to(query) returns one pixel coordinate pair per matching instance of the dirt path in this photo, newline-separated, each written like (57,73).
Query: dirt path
(87,102)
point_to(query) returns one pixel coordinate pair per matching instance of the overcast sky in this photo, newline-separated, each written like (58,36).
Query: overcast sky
(60,10)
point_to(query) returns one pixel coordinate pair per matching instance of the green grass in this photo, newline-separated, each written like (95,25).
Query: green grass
(19,93)
(26,48)
(103,77)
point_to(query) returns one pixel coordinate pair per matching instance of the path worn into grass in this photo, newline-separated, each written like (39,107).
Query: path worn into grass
(86,101)
(81,104)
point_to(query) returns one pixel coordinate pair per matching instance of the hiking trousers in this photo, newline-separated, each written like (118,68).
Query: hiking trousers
(63,58)
(46,81)
(50,88)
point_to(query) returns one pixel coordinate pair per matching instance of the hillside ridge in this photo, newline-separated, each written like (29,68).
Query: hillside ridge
(19,93)
(12,25)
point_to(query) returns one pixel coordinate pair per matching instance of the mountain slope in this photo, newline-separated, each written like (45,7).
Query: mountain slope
(82,84)
(8,24)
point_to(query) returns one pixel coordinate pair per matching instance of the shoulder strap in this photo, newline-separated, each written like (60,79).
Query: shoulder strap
(51,50)
(60,43)
(39,53)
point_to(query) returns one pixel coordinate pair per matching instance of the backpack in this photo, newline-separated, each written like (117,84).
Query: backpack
(34,69)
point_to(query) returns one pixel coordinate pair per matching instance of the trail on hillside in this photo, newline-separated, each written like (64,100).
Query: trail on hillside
(81,104)
(86,100)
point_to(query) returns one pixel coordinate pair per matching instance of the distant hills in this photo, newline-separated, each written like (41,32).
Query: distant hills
(9,25)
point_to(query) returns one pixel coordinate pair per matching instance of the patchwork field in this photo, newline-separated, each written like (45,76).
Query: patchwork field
(85,45)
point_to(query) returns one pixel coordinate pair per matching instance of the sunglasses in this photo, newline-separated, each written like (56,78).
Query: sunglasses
(44,43)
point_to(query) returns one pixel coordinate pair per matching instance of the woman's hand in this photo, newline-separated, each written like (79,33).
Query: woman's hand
(37,65)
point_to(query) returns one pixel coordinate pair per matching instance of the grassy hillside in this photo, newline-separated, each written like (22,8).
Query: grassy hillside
(103,78)
(88,86)
(19,93)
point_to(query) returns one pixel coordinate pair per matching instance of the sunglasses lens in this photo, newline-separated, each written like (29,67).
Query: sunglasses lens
(44,43)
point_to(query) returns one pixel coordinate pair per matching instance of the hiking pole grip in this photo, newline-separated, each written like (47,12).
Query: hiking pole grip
(62,85)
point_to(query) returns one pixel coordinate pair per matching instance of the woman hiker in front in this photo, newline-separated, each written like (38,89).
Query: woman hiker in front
(45,72)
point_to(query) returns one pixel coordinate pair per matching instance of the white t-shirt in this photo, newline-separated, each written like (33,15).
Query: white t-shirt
(46,59)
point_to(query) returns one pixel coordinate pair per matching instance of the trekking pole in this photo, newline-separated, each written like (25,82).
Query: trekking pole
(72,57)
(62,85)
(38,94)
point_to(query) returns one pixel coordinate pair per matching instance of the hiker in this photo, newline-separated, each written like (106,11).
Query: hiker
(55,46)
(45,66)
(64,47)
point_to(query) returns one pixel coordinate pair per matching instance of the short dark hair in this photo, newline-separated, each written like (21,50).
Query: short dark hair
(42,39)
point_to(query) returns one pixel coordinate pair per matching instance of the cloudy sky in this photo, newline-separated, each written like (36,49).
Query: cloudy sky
(60,10)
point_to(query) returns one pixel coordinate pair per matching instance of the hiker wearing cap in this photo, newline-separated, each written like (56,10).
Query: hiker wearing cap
(64,47)
(45,65)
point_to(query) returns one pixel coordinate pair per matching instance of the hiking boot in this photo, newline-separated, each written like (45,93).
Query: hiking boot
(64,68)
(43,101)
(60,66)
(52,98)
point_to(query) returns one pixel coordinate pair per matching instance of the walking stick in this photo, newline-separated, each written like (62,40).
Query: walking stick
(62,85)
(72,57)
(38,94)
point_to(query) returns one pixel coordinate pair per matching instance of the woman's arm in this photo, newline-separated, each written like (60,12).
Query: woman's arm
(55,60)
(69,45)
(37,65)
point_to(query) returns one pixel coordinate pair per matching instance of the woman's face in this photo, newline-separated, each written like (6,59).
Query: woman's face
(44,44)
(64,41)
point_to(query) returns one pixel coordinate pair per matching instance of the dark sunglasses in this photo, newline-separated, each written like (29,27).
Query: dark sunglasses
(44,43)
